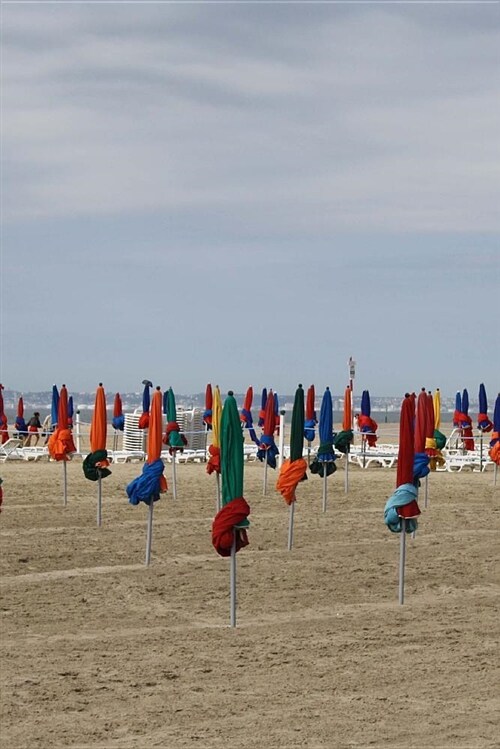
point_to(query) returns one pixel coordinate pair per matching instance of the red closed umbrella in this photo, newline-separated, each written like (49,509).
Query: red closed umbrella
(4,436)
(60,444)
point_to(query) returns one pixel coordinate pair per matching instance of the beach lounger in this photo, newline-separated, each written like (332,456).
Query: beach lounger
(12,449)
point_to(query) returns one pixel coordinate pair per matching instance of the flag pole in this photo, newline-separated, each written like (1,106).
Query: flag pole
(402,554)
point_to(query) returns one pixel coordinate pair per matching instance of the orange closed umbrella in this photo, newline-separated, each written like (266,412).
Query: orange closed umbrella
(95,465)
(151,483)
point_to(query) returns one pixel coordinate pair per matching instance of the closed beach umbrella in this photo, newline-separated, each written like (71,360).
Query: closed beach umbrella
(262,412)
(207,414)
(213,465)
(21,427)
(229,533)
(438,435)
(367,425)
(118,417)
(173,437)
(466,422)
(71,411)
(268,450)
(54,406)
(431,447)
(146,402)
(294,469)
(494,451)
(344,438)
(60,444)
(95,465)
(151,483)
(458,410)
(401,509)
(310,415)
(483,422)
(420,422)
(324,464)
(246,416)
(4,436)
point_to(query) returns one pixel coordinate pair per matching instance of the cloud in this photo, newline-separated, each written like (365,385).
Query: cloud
(337,118)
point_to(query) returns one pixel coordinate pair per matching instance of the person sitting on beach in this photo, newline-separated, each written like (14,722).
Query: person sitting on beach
(34,424)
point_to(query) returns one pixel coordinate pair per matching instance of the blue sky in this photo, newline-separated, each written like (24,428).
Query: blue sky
(249,194)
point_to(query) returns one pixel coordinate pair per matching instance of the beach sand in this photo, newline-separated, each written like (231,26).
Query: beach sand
(100,651)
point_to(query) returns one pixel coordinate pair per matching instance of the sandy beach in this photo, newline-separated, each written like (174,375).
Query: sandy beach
(100,651)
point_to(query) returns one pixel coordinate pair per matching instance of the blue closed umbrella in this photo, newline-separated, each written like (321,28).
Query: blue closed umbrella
(54,405)
(263,401)
(324,463)
(458,410)
(483,422)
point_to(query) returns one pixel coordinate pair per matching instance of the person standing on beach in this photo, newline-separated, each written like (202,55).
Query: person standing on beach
(34,424)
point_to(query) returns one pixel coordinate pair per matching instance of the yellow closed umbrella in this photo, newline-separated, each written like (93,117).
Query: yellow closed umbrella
(213,465)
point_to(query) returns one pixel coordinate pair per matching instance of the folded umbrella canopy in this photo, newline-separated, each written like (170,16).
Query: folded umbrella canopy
(401,509)
(213,464)
(71,411)
(229,533)
(151,483)
(431,449)
(268,450)
(438,435)
(262,412)
(310,415)
(367,425)
(146,402)
(494,451)
(4,436)
(20,424)
(95,465)
(294,468)
(466,422)
(118,422)
(246,416)
(458,410)
(60,444)
(483,423)
(54,406)
(207,414)
(324,463)
(173,437)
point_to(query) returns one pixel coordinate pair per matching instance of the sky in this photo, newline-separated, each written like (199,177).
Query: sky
(249,194)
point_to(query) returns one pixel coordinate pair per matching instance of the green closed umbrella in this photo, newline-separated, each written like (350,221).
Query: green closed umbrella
(230,524)
(175,440)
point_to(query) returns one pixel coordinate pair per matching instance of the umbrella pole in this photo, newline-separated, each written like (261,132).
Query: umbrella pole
(402,554)
(115,440)
(426,494)
(281,444)
(149,533)
(481,452)
(99,499)
(78,433)
(363,449)
(265,475)
(174,476)
(346,472)
(217,481)
(325,487)
(65,484)
(308,453)
(232,580)
(290,525)
(495,475)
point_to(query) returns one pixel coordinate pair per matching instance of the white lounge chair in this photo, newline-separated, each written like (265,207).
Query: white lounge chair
(11,449)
